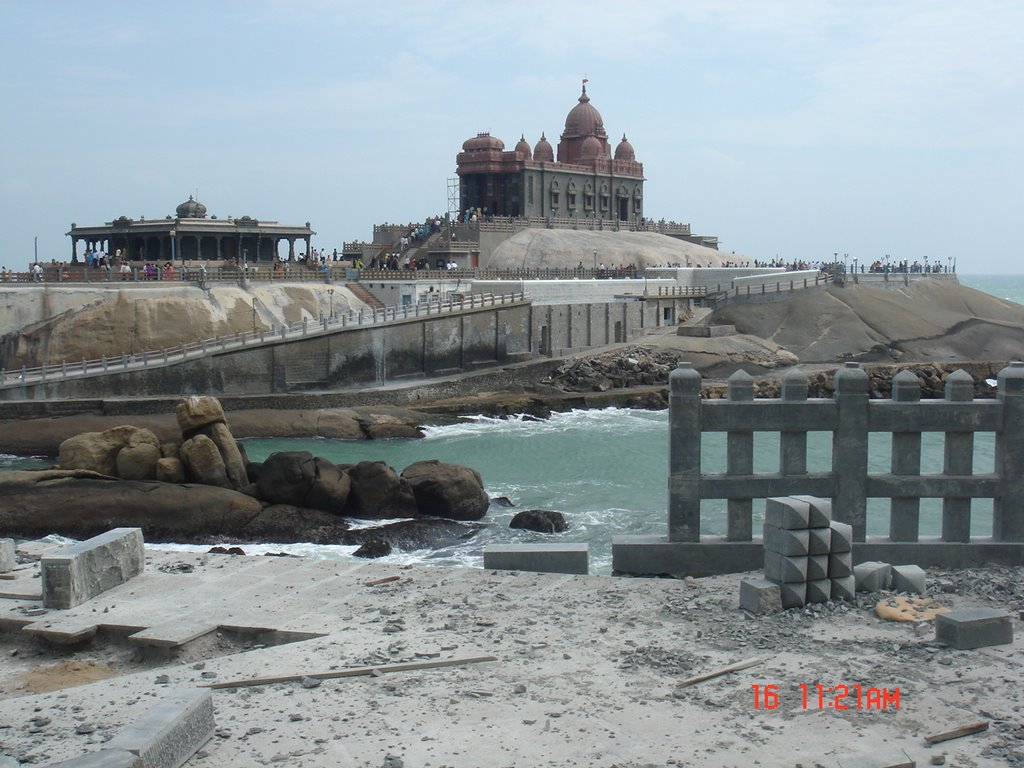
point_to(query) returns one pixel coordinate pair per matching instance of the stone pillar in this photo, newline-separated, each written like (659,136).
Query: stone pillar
(74,249)
(850,448)
(793,445)
(1008,507)
(958,459)
(291,249)
(905,513)
(220,250)
(684,454)
(739,461)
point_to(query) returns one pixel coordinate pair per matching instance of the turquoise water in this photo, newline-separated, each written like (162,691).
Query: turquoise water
(605,470)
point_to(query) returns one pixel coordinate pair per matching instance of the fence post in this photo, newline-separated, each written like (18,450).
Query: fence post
(905,512)
(684,454)
(958,459)
(1007,514)
(793,445)
(740,461)
(850,448)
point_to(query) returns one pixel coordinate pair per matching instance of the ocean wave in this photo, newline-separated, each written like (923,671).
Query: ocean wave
(606,420)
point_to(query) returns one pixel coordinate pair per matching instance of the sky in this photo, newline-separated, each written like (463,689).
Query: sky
(787,128)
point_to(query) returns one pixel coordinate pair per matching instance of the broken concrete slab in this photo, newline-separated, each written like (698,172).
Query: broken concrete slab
(969,628)
(760,596)
(77,573)
(172,731)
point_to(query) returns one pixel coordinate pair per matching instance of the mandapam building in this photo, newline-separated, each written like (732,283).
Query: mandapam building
(585,179)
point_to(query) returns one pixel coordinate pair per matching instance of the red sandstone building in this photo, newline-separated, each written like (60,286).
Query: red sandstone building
(586,181)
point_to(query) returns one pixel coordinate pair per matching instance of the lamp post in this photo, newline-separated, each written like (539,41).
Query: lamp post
(330,292)
(887,264)
(855,268)
(35,248)
(595,263)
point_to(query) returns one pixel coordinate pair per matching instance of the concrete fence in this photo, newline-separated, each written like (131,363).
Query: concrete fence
(764,288)
(850,416)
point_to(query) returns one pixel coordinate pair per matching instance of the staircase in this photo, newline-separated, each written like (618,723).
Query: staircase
(365,296)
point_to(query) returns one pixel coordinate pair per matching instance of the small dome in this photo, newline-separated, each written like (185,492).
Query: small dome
(191,209)
(591,148)
(625,150)
(523,147)
(583,119)
(544,152)
(483,142)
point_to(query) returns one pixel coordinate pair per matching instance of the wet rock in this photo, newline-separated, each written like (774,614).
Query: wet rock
(377,492)
(447,490)
(300,479)
(540,520)
(373,548)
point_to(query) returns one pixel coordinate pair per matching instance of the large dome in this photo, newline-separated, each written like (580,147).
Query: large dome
(544,152)
(523,148)
(625,150)
(584,119)
(191,209)
(483,142)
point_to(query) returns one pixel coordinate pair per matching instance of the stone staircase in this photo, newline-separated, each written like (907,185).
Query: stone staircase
(365,296)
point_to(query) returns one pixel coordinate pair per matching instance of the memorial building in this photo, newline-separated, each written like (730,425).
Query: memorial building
(585,180)
(189,235)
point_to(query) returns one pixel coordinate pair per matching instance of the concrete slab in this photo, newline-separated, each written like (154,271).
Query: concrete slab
(77,573)
(539,558)
(7,561)
(760,596)
(105,758)
(969,628)
(909,578)
(172,731)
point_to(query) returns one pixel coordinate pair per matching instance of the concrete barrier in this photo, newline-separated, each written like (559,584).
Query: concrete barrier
(106,758)
(172,731)
(542,558)
(77,573)
(6,555)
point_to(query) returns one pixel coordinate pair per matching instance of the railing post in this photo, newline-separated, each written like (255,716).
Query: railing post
(1007,513)
(740,461)
(905,512)
(850,448)
(305,325)
(63,369)
(793,445)
(684,454)
(958,459)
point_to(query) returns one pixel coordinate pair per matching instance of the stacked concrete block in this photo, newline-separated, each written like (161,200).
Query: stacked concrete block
(6,555)
(969,628)
(807,554)
(77,573)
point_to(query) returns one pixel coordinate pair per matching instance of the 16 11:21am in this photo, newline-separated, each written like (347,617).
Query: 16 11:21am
(820,696)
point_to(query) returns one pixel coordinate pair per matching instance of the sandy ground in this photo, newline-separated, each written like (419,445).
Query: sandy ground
(586,669)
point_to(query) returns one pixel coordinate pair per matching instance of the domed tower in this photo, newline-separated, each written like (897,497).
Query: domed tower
(582,122)
(191,209)
(544,152)
(625,150)
(523,148)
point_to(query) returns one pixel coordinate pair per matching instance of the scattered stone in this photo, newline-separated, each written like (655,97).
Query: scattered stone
(311,682)
(85,728)
(218,550)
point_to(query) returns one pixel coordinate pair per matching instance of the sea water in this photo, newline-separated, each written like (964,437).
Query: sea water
(605,470)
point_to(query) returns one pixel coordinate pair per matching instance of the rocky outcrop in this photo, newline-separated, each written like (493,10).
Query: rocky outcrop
(98,451)
(447,490)
(378,492)
(203,462)
(300,479)
(540,520)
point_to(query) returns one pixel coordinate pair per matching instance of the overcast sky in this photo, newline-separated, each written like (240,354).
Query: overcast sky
(786,128)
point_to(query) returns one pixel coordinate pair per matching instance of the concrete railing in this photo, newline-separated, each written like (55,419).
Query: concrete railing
(514,223)
(301,329)
(758,289)
(850,416)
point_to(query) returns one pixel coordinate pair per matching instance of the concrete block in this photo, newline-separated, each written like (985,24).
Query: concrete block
(760,596)
(818,591)
(872,576)
(817,567)
(77,573)
(786,512)
(543,558)
(784,569)
(844,588)
(793,594)
(786,542)
(819,541)
(842,537)
(840,565)
(909,578)
(105,758)
(973,628)
(172,731)
(7,560)
(819,512)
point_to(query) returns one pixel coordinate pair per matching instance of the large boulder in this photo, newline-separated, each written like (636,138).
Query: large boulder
(138,462)
(447,490)
(234,464)
(97,451)
(378,492)
(300,479)
(197,411)
(170,470)
(203,462)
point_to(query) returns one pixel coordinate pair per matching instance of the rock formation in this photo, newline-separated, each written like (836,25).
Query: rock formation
(447,490)
(540,520)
